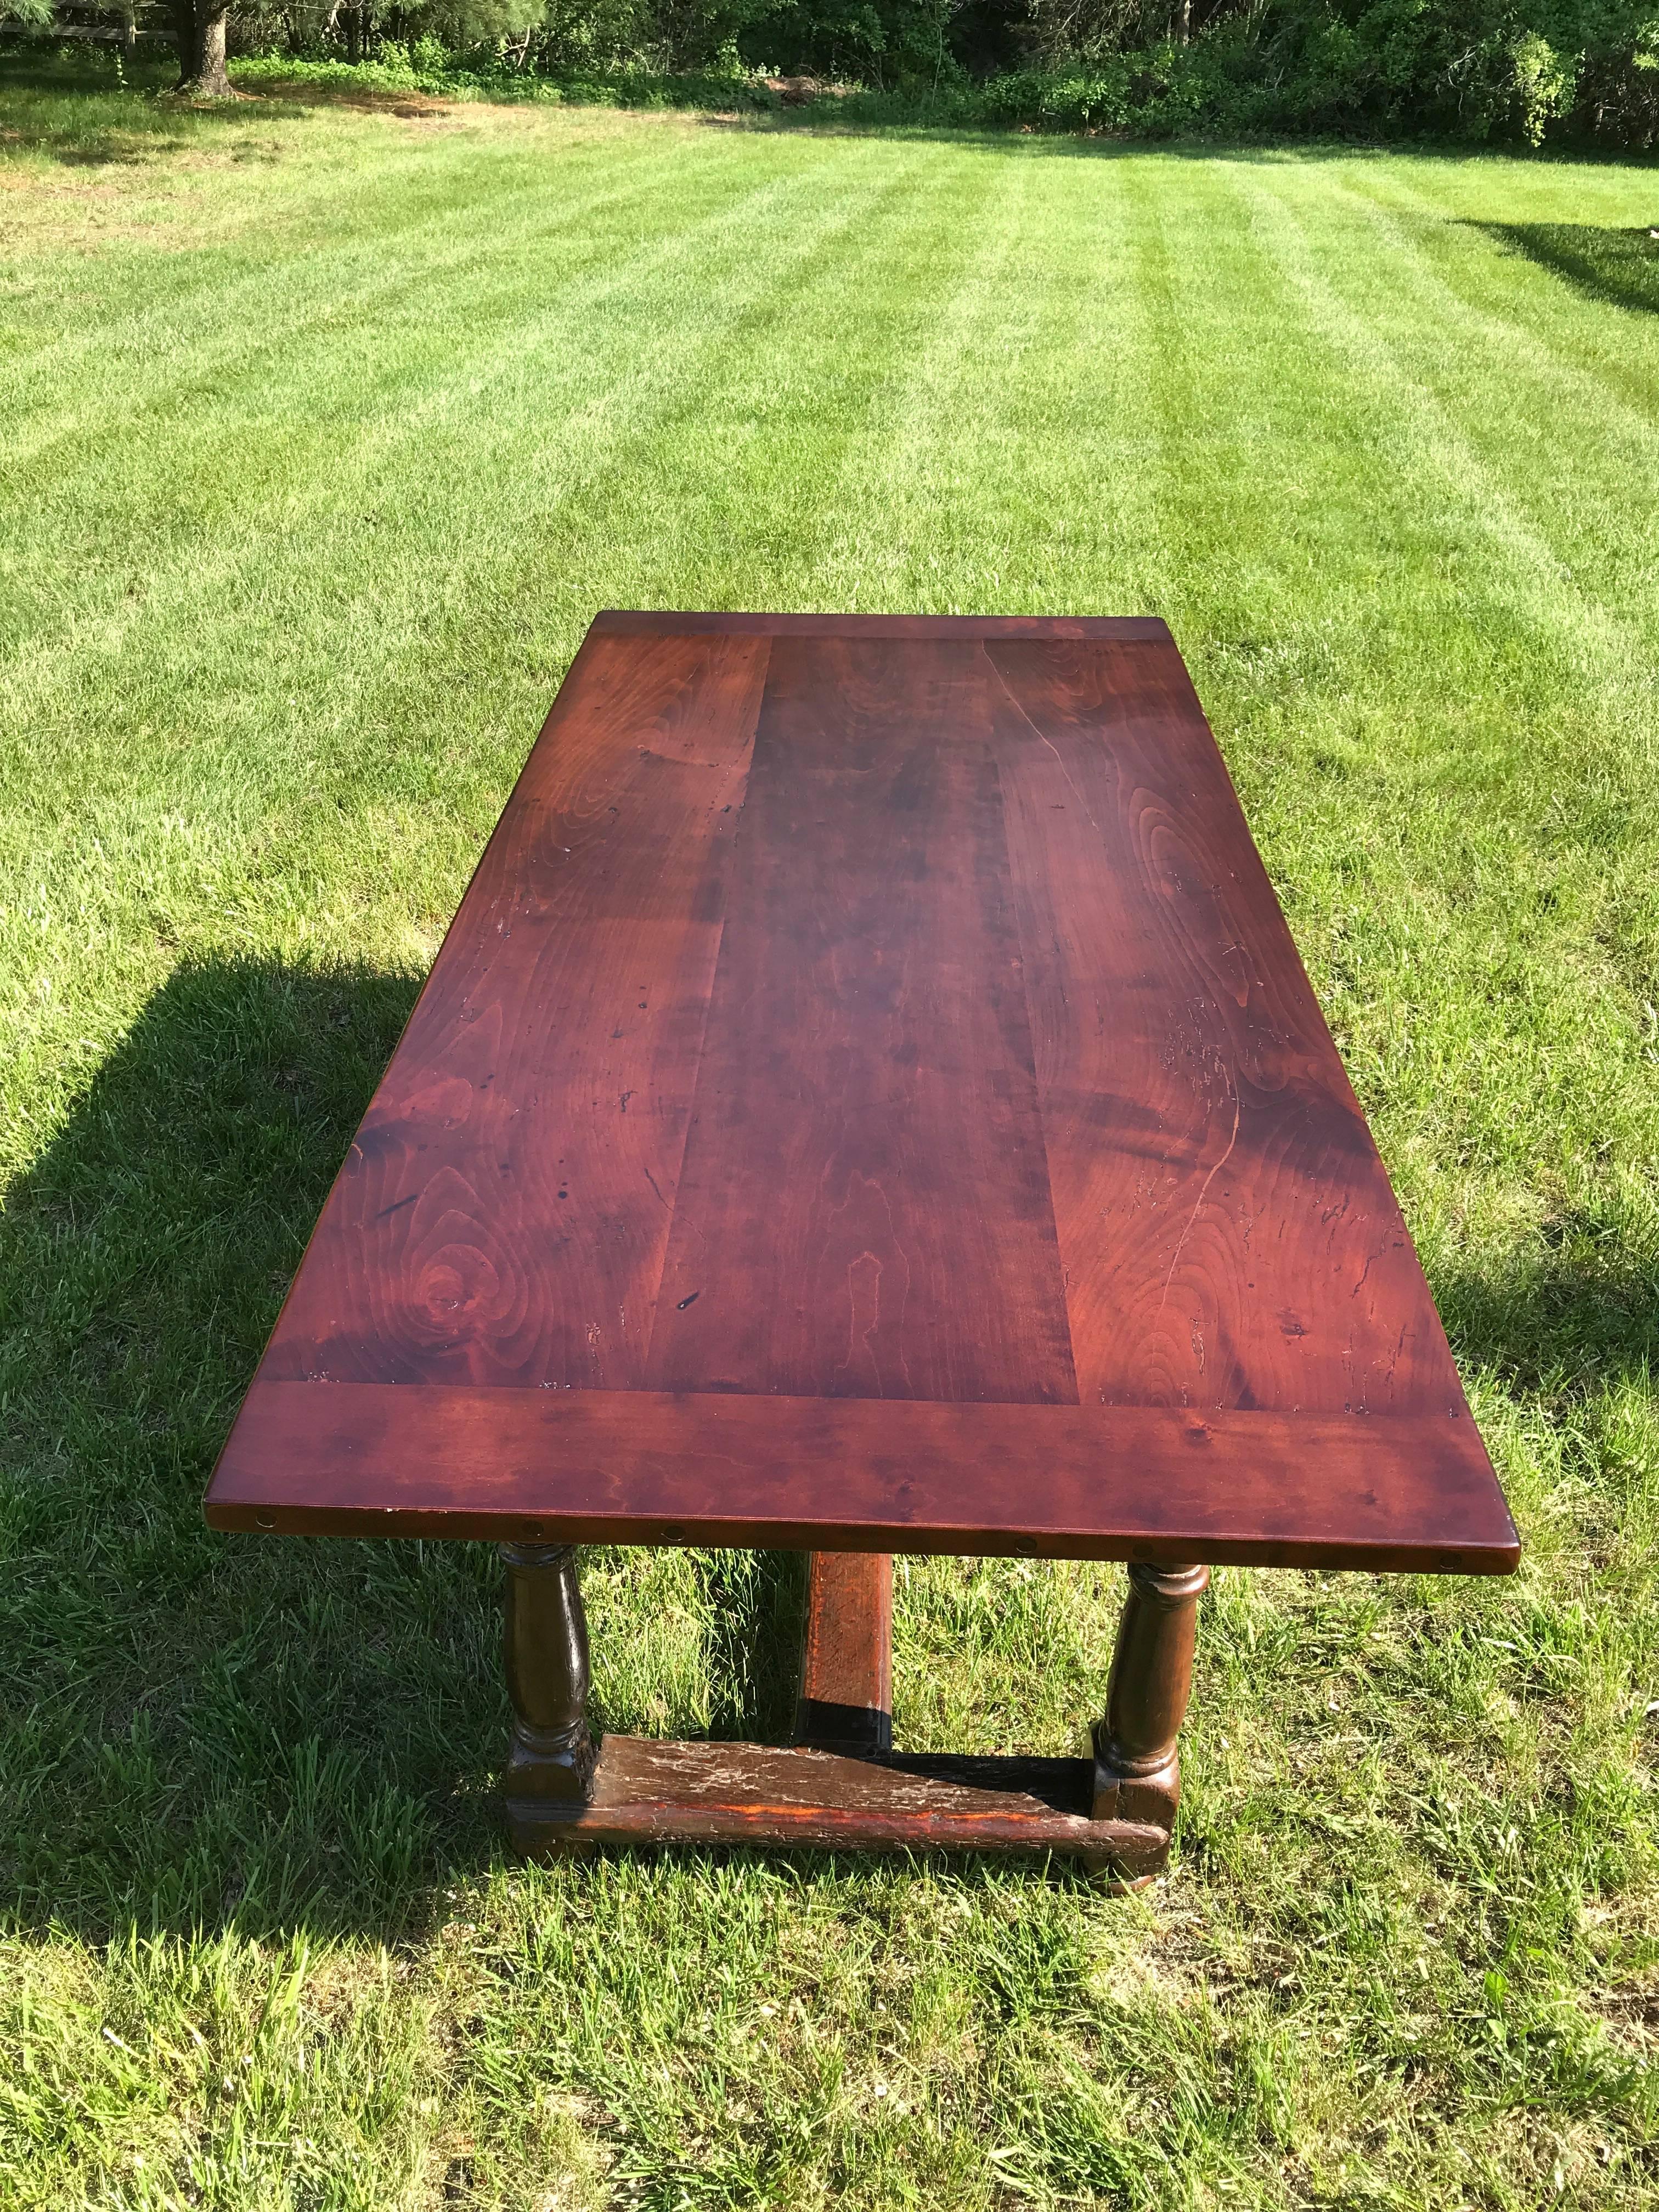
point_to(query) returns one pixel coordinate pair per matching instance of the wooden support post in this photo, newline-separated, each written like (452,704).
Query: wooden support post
(846,1701)
(545,1645)
(1137,1770)
(841,1785)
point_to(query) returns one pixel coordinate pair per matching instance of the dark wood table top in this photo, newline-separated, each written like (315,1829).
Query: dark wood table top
(869,1098)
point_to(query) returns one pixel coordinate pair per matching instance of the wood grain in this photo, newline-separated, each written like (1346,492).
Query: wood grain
(864,1210)
(864,1475)
(869,1099)
(1229,1233)
(746,1793)
(846,1700)
(503,1214)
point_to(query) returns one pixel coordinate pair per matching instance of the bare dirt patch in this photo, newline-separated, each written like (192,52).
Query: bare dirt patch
(366,100)
(802,91)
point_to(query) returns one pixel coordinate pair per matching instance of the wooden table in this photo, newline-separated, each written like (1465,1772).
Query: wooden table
(868,1101)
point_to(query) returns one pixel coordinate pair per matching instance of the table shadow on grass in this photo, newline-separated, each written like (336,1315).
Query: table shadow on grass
(1574,1307)
(1619,268)
(203,1729)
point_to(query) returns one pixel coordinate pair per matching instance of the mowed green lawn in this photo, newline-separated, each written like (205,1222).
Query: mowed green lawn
(325,432)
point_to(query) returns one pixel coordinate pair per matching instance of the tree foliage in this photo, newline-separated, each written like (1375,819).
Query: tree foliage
(1520,71)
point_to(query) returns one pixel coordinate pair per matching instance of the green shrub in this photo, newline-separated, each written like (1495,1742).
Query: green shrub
(1521,71)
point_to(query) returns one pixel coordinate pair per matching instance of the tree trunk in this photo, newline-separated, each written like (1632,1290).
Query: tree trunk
(205,76)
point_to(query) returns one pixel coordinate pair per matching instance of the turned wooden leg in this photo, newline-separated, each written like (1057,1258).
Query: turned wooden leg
(545,1647)
(1137,1772)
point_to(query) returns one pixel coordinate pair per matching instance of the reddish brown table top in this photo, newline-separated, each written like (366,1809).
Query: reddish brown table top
(869,1098)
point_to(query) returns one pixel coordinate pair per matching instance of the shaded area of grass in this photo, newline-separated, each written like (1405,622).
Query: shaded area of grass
(79,110)
(1577,1308)
(1620,266)
(209,1730)
(246,1735)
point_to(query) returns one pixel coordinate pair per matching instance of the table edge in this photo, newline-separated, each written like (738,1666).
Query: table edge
(644,622)
(425,1460)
